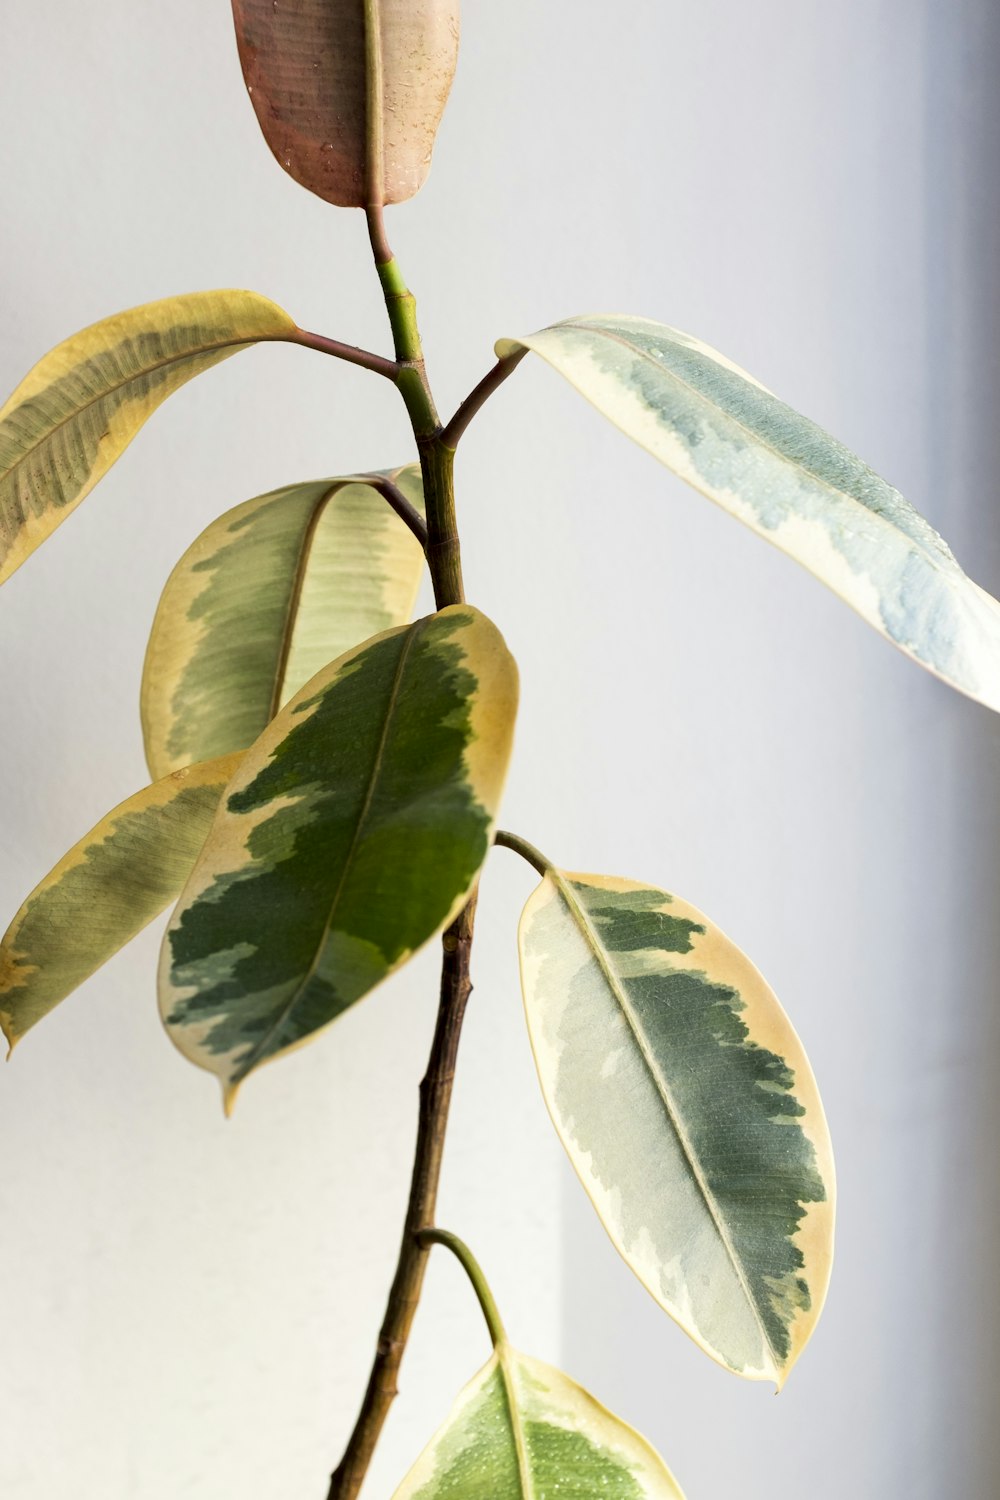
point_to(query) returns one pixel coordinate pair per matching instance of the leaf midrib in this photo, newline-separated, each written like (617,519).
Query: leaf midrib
(295,597)
(504,1354)
(374,105)
(249,1062)
(670,1108)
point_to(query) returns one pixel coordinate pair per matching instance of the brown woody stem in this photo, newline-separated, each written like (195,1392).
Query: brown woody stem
(445,563)
(404,1295)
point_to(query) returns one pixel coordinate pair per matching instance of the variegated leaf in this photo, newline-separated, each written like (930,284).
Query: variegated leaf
(104,891)
(789,481)
(271,592)
(82,405)
(350,93)
(688,1108)
(522,1430)
(353,831)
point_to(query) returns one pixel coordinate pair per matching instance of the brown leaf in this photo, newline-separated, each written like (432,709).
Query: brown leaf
(350,93)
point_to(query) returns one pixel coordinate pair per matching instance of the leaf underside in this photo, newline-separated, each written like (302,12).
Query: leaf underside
(269,594)
(110,885)
(81,406)
(789,481)
(352,833)
(522,1430)
(349,95)
(689,1111)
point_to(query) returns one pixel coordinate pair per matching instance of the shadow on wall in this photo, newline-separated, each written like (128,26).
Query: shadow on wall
(897,992)
(963,359)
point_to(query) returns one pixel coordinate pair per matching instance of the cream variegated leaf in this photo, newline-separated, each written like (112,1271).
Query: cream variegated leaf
(353,831)
(82,405)
(271,592)
(789,481)
(522,1430)
(349,93)
(689,1111)
(110,885)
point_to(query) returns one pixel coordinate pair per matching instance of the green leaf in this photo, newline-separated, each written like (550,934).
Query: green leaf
(353,831)
(789,481)
(522,1430)
(271,592)
(104,891)
(689,1111)
(349,93)
(81,406)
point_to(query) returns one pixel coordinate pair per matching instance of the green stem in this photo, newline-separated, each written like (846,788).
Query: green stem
(474,1271)
(400,303)
(444,549)
(527,851)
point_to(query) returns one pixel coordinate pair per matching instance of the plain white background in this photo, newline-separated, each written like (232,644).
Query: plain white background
(190,1306)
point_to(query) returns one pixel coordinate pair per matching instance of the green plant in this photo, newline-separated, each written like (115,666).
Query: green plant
(306,825)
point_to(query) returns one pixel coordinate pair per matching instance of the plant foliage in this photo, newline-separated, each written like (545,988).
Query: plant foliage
(328,771)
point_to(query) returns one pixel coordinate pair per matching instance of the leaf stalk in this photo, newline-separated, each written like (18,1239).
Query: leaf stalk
(534,857)
(474,1272)
(478,397)
(349,352)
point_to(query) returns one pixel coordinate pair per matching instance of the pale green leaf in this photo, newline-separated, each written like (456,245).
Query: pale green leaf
(522,1430)
(789,481)
(271,592)
(689,1110)
(81,406)
(348,95)
(104,891)
(353,831)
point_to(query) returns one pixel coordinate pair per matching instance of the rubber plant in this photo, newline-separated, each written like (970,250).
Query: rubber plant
(326,777)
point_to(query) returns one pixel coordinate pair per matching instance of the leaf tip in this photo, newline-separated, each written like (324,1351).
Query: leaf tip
(10,1035)
(229,1093)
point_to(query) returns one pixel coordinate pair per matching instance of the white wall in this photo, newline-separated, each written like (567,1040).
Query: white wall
(190,1306)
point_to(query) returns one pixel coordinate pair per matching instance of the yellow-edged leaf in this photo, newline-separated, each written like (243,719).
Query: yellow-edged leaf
(121,875)
(81,405)
(688,1108)
(352,833)
(268,595)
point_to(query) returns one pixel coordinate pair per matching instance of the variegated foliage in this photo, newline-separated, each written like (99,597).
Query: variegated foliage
(789,481)
(349,93)
(353,831)
(271,592)
(81,405)
(522,1430)
(688,1108)
(104,891)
